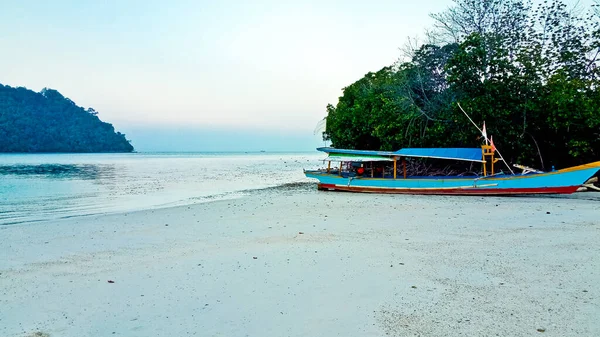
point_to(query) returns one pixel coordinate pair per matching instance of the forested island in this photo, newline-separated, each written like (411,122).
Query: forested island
(530,72)
(49,122)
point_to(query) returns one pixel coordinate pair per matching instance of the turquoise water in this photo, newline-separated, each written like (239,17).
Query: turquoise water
(36,187)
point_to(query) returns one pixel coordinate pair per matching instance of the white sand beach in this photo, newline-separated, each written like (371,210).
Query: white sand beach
(306,263)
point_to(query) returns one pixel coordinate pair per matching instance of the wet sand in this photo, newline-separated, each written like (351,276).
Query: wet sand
(297,262)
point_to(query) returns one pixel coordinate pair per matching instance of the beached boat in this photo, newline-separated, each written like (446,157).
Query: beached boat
(385,172)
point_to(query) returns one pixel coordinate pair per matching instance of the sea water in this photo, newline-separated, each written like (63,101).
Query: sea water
(36,187)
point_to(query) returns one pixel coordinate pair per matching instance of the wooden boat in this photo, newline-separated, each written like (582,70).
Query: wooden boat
(378,172)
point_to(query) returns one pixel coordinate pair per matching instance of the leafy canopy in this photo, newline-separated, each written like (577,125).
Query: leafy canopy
(49,122)
(531,73)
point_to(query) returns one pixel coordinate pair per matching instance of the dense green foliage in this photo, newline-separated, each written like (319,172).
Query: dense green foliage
(49,122)
(530,73)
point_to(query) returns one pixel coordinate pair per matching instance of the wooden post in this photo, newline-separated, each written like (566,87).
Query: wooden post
(329,167)
(340,173)
(484,169)
(404,167)
(395,166)
(372,170)
(483,158)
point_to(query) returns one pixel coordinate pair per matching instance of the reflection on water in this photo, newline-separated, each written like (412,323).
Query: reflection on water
(58,171)
(36,187)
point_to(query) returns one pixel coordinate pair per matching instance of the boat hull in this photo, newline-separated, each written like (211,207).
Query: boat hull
(564,181)
(458,191)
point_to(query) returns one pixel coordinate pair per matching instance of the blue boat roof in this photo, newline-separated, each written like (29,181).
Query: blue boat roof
(466,154)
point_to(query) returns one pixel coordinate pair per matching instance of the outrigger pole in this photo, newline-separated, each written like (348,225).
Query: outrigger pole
(486,138)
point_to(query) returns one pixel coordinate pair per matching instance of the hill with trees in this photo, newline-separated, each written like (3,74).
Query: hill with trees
(530,72)
(49,122)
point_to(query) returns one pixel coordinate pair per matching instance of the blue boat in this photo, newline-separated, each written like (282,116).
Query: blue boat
(385,172)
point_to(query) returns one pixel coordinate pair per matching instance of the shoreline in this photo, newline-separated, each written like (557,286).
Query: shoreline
(326,264)
(303,185)
(293,187)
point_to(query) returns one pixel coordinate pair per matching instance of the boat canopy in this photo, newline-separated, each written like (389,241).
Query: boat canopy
(355,158)
(356,155)
(332,150)
(465,154)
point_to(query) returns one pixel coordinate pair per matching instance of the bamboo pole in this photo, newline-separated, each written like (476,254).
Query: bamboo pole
(340,173)
(404,167)
(329,167)
(395,167)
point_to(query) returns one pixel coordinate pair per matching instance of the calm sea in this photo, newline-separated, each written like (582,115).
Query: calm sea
(36,187)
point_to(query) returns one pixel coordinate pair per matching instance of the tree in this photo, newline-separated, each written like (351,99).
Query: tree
(49,122)
(531,74)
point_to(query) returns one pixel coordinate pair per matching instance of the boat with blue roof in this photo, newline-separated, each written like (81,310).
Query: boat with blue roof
(386,172)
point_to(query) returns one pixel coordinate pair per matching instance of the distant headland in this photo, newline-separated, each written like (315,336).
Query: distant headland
(46,121)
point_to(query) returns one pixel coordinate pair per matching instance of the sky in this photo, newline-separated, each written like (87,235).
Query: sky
(206,75)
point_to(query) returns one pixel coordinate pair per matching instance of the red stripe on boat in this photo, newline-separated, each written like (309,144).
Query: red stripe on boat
(454,191)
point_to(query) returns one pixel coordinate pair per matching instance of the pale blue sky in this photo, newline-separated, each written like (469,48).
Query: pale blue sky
(239,65)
